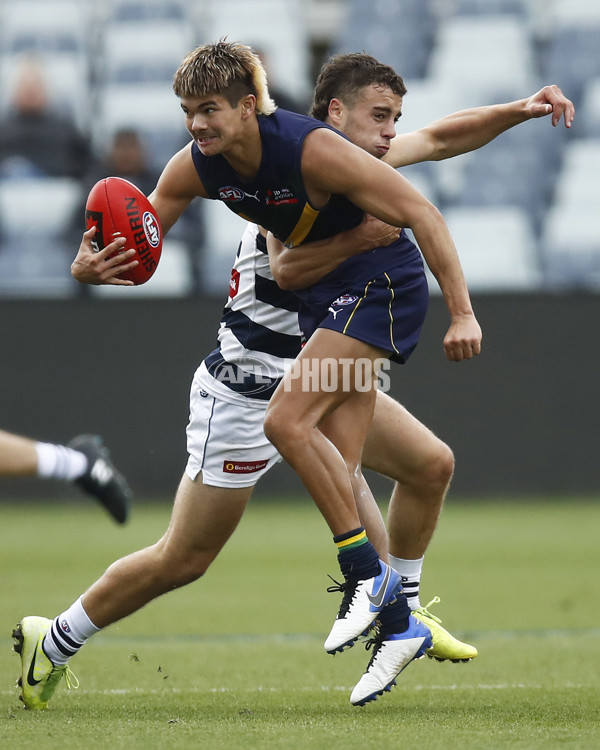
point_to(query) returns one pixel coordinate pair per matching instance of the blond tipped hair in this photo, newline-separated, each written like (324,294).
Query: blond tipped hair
(227,68)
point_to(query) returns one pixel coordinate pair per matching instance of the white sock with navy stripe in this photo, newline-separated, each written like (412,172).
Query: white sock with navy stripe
(410,570)
(69,631)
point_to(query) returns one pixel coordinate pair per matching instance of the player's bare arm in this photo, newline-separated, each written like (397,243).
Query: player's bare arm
(176,188)
(471,129)
(299,267)
(332,165)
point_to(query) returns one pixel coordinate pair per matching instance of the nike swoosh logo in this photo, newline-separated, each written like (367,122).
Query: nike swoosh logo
(378,598)
(30,678)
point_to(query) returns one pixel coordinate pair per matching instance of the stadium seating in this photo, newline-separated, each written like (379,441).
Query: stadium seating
(427,100)
(151,109)
(67,84)
(589,112)
(137,56)
(578,182)
(223,231)
(452,54)
(571,247)
(34,216)
(488,7)
(421,177)
(572,12)
(516,169)
(399,34)
(489,55)
(37,206)
(572,58)
(496,246)
(160,44)
(37,25)
(283,40)
(146,10)
(58,35)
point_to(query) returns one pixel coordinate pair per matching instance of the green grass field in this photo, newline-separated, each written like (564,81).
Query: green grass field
(236,660)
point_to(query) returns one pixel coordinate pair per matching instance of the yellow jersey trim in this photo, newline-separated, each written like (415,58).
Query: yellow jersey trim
(303,227)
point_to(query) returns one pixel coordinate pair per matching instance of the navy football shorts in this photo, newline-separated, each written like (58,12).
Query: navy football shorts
(386,311)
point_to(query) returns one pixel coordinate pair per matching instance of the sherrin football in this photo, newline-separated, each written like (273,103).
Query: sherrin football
(116,206)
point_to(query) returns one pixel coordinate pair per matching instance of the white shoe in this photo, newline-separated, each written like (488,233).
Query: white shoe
(391,654)
(363,601)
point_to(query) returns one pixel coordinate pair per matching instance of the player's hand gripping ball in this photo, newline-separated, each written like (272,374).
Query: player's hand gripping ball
(117,207)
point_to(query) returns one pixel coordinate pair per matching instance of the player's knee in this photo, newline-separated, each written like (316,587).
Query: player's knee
(437,472)
(281,431)
(270,427)
(431,475)
(178,567)
(192,568)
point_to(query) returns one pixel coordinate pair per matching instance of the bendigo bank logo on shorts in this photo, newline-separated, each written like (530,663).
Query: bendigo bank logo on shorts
(243,467)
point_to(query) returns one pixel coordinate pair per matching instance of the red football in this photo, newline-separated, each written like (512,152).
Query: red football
(116,206)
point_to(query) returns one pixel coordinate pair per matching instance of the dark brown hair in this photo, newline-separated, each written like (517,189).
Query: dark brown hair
(344,76)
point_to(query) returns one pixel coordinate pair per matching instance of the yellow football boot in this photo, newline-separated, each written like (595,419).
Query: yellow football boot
(445,646)
(39,676)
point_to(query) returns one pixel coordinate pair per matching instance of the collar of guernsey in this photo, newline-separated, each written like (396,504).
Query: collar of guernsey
(276,197)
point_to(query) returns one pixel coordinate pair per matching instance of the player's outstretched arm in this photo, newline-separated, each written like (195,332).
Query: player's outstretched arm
(471,129)
(300,267)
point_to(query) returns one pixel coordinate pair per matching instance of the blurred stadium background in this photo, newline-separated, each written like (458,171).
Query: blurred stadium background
(523,211)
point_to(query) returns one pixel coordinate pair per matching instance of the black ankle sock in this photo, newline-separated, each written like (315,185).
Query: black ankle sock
(394,617)
(361,562)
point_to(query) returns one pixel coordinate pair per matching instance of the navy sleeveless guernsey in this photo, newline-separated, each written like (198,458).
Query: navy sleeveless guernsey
(276,197)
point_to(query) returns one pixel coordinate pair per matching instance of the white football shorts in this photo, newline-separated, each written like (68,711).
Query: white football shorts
(226,440)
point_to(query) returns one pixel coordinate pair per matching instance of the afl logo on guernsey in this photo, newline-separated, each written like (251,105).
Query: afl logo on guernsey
(151,229)
(231,194)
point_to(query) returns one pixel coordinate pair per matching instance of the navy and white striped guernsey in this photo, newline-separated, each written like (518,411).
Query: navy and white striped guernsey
(258,334)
